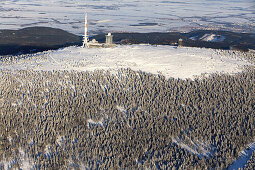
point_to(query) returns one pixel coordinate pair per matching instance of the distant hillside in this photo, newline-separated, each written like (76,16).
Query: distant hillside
(34,39)
(199,38)
(220,39)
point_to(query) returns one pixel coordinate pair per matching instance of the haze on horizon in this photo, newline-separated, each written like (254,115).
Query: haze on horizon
(130,15)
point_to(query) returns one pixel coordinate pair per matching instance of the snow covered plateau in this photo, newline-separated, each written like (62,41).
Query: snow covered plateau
(169,61)
(185,62)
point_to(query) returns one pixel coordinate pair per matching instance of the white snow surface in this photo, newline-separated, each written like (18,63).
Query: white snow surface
(196,147)
(212,38)
(24,162)
(121,109)
(185,62)
(100,122)
(245,155)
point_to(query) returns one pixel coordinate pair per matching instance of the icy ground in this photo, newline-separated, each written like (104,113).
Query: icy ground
(185,62)
(129,15)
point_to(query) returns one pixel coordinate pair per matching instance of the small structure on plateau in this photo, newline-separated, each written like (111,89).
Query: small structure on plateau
(180,42)
(94,43)
(109,39)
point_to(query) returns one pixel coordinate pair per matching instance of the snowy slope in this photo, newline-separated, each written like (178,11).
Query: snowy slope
(170,61)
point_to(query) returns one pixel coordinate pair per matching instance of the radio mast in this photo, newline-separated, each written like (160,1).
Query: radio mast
(85,38)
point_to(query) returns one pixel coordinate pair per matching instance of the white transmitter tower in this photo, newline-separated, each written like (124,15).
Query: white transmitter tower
(94,43)
(85,38)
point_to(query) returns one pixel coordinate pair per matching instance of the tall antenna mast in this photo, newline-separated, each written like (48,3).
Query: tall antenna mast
(85,39)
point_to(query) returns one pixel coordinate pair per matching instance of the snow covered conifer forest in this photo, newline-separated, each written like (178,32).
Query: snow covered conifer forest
(61,119)
(151,102)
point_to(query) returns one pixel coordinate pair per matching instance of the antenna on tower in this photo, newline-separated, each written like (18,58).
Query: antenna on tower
(85,38)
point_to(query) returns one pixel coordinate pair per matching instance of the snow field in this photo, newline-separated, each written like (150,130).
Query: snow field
(185,62)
